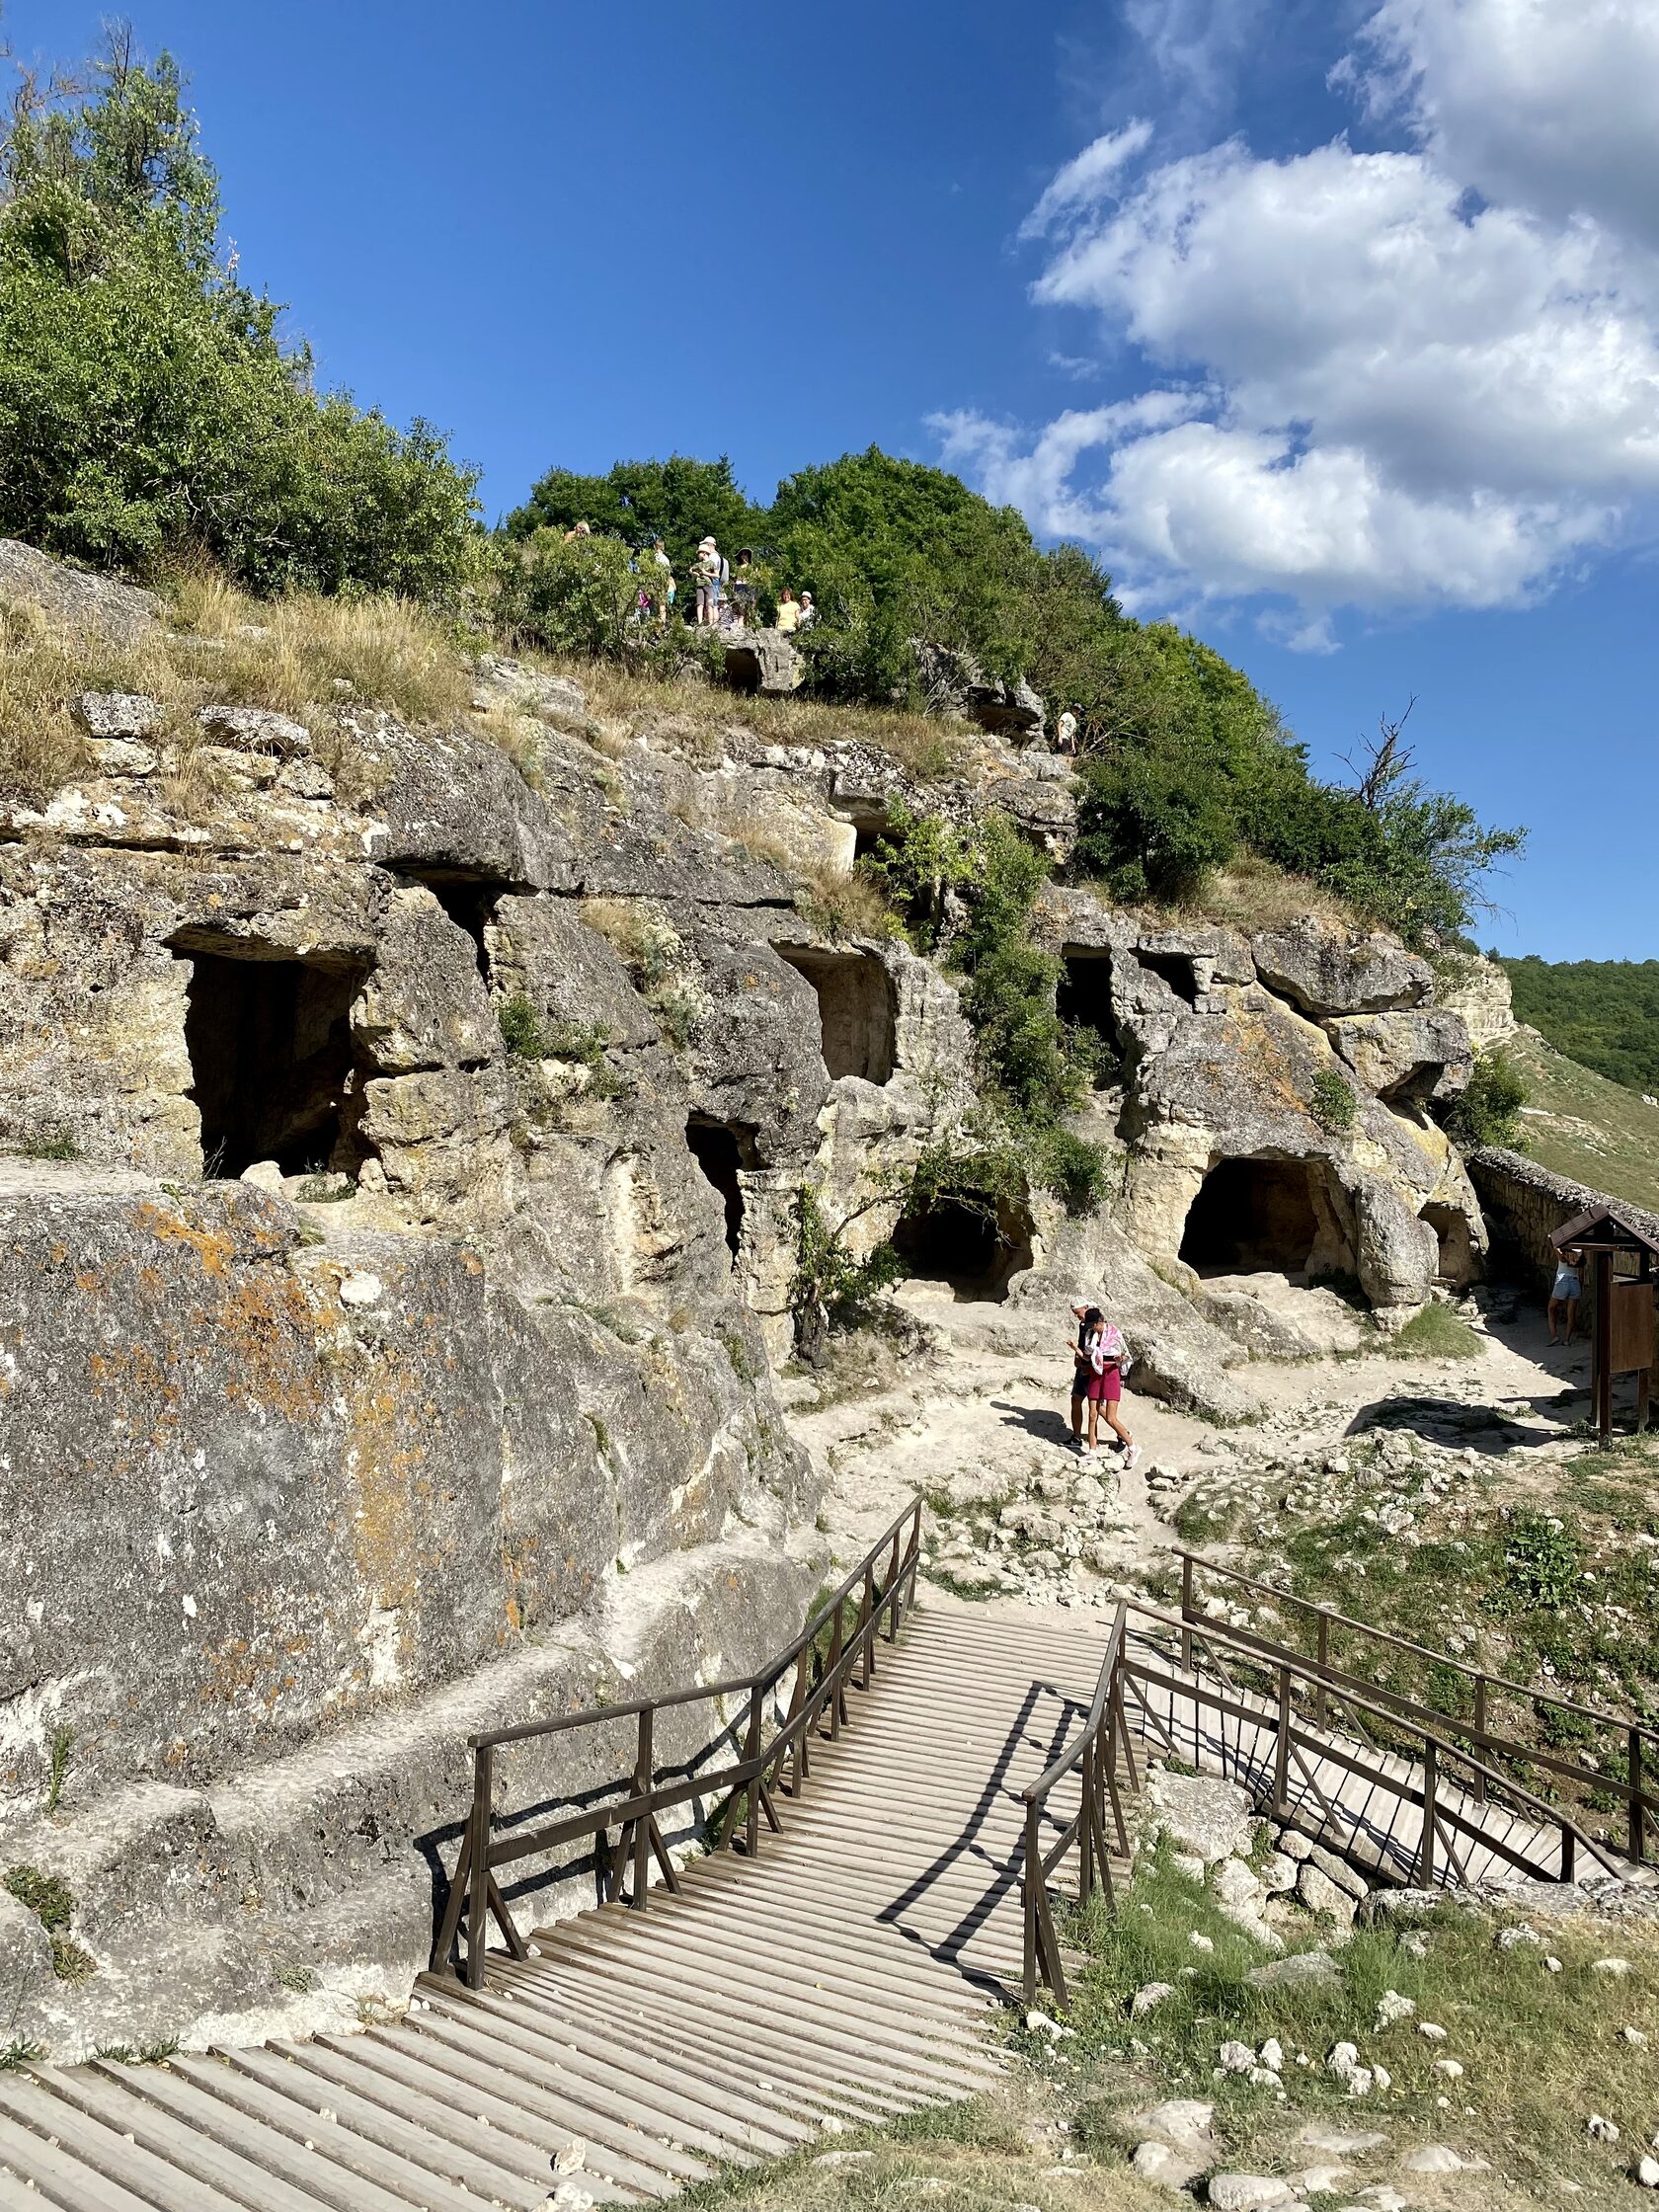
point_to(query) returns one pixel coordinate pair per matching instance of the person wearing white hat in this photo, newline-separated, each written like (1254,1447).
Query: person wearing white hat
(708,584)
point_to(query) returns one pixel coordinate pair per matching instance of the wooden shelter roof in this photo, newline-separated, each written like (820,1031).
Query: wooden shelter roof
(1604,1231)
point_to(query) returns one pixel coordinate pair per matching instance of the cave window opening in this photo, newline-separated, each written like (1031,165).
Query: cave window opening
(470,902)
(271,1059)
(975,1244)
(722,1149)
(1254,1216)
(857,1012)
(1084,1000)
(1455,1255)
(1176,969)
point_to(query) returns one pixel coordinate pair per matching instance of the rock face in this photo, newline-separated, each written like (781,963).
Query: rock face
(955,683)
(402,1148)
(1276,1095)
(71,599)
(763,660)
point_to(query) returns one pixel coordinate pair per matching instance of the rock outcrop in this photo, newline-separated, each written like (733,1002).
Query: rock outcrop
(407,1136)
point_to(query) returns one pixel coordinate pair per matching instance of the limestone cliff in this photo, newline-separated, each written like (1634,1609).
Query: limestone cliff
(399,1238)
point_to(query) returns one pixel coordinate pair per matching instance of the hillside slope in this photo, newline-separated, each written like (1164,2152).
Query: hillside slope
(1581,1125)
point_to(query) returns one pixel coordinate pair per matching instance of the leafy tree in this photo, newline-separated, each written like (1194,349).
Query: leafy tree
(578,597)
(146,403)
(681,501)
(1489,1111)
(1603,1013)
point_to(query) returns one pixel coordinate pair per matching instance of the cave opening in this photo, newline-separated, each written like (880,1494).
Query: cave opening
(1455,1259)
(856,1006)
(1084,1000)
(1253,1217)
(722,1149)
(1176,969)
(270,1044)
(469,900)
(976,1245)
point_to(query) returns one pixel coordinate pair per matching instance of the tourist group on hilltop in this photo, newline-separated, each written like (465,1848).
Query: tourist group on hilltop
(727,599)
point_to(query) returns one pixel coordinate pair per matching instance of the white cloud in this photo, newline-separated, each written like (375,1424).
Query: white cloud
(1550,105)
(1377,379)
(1086,177)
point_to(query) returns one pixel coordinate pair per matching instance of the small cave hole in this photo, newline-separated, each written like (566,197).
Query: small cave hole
(721,1149)
(1455,1260)
(856,1008)
(1176,969)
(271,1060)
(1256,1217)
(1083,1001)
(469,901)
(975,1245)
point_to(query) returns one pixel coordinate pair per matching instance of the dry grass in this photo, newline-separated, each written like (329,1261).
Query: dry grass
(930,749)
(1253,894)
(845,906)
(301,656)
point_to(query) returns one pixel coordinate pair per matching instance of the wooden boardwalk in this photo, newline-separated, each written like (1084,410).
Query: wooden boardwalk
(846,1975)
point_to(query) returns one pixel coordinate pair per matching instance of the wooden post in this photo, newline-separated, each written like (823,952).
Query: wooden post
(1324,1662)
(1186,1615)
(1602,1379)
(1638,1826)
(835,1671)
(1085,1816)
(1282,1748)
(751,1757)
(1426,1854)
(866,1632)
(641,1826)
(478,1870)
(1031,1874)
(1477,1783)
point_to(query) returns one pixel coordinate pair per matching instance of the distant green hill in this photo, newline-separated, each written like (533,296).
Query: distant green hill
(1603,1013)
(1580,1125)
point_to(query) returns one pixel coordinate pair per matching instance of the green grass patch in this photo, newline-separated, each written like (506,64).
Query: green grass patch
(1541,2050)
(1436,1332)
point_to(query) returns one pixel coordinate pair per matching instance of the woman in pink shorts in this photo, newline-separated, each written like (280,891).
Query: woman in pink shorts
(1099,1354)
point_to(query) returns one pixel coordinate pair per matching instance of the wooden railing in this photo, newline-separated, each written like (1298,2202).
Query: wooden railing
(1478,1727)
(1293,1722)
(834,1650)
(1092,1755)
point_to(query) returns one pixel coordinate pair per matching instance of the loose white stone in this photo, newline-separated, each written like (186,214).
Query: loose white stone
(1235,2058)
(1149,1996)
(1447,2069)
(1246,2192)
(1434,2032)
(1433,2157)
(1201,1942)
(1599,2129)
(1648,2173)
(1393,2007)
(1617,1967)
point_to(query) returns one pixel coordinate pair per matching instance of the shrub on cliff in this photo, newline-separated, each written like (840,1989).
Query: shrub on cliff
(146,402)
(1489,1111)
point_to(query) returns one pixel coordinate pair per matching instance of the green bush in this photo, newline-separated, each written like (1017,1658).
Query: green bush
(521,1028)
(578,597)
(1490,1110)
(147,405)
(1333,1103)
(1154,825)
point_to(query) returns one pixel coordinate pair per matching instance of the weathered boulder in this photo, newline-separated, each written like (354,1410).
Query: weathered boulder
(73,599)
(455,806)
(555,699)
(763,660)
(118,714)
(1322,975)
(955,683)
(1199,1813)
(1406,1058)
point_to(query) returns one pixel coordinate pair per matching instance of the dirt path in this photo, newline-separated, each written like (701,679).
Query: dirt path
(984,1418)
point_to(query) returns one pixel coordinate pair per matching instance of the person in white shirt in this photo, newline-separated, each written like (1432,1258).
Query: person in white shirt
(1065,736)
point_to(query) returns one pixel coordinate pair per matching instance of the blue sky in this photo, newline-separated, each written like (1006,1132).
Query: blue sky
(1335,329)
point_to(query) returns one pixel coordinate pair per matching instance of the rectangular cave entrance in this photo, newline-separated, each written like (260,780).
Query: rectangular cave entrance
(270,1044)
(721,1149)
(1454,1257)
(856,1006)
(1258,1217)
(469,900)
(975,1245)
(1176,969)
(1083,1001)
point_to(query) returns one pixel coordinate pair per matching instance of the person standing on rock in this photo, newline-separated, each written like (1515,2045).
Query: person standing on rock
(708,584)
(1099,1356)
(788,613)
(1065,736)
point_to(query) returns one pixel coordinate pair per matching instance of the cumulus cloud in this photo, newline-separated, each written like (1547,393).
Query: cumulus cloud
(1550,105)
(1376,379)
(1086,176)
